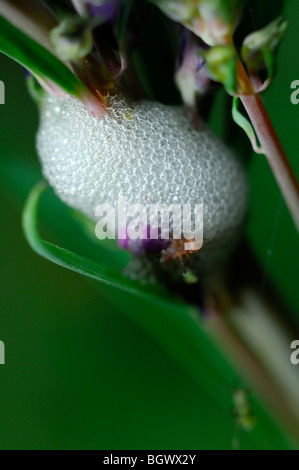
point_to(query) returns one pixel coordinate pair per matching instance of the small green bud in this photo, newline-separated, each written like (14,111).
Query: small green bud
(258,49)
(221,62)
(191,77)
(212,20)
(72,39)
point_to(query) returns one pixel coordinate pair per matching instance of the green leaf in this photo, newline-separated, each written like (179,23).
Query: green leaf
(68,259)
(246,126)
(38,60)
(122,21)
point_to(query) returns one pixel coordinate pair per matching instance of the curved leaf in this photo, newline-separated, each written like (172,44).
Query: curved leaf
(245,125)
(37,59)
(68,259)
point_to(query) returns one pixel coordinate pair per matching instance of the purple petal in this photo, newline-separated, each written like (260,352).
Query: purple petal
(108,10)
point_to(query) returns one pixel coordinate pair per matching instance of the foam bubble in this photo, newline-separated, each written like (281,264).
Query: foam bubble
(147,152)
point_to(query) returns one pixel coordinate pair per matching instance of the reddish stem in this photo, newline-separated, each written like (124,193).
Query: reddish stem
(272,147)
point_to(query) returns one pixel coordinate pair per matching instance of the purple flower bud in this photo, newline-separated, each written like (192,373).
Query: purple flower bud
(107,10)
(191,76)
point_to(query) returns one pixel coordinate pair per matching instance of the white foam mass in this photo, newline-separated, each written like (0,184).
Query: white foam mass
(148,152)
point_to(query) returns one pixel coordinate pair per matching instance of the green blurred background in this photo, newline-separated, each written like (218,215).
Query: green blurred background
(80,372)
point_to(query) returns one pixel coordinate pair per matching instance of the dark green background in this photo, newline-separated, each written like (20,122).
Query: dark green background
(80,373)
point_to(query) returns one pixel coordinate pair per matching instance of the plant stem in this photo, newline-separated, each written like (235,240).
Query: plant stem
(272,147)
(276,393)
